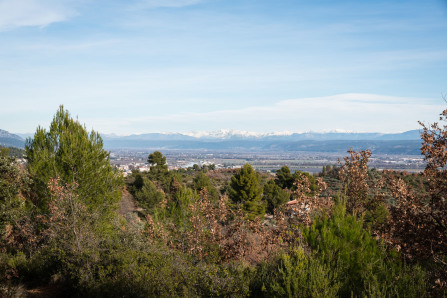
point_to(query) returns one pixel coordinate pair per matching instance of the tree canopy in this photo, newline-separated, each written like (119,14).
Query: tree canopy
(284,178)
(275,196)
(157,159)
(68,152)
(245,188)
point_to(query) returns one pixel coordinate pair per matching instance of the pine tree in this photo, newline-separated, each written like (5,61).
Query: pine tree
(245,189)
(158,162)
(159,170)
(148,196)
(74,156)
(201,181)
(275,196)
(284,178)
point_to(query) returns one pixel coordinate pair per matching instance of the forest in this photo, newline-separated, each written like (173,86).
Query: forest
(66,227)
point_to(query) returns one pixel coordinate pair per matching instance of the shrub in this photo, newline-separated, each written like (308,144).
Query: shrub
(364,265)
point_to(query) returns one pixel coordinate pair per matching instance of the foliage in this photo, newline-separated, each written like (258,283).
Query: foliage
(127,272)
(148,196)
(10,184)
(68,152)
(201,182)
(434,149)
(245,189)
(212,232)
(12,152)
(296,274)
(274,196)
(178,208)
(303,178)
(138,182)
(354,173)
(13,183)
(370,238)
(168,180)
(4,151)
(158,162)
(306,205)
(363,189)
(284,178)
(367,268)
(418,209)
(69,225)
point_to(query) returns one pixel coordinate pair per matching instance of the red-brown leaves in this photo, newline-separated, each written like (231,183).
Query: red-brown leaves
(354,174)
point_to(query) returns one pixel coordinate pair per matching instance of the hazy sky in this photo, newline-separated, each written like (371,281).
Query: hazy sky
(140,66)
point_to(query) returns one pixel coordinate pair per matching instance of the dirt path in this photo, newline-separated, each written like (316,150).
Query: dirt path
(127,203)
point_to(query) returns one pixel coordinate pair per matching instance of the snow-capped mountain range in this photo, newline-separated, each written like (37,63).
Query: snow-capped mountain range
(233,140)
(229,134)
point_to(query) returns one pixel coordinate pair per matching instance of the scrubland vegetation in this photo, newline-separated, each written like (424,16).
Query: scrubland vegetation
(349,231)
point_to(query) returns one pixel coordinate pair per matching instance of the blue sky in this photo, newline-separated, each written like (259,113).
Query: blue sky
(191,65)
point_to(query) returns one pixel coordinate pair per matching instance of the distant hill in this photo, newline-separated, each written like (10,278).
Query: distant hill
(345,136)
(398,143)
(223,135)
(408,142)
(151,137)
(288,136)
(11,140)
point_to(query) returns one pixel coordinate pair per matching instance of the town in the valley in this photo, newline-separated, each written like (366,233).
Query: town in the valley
(311,162)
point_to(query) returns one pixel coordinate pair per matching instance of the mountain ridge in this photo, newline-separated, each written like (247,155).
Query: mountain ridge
(388,143)
(8,139)
(284,136)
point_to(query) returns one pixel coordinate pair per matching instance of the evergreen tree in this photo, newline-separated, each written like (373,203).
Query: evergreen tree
(158,162)
(365,266)
(245,189)
(159,170)
(201,181)
(284,178)
(68,152)
(139,182)
(275,196)
(148,196)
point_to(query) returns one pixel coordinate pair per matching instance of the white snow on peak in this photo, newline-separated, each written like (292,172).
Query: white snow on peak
(229,133)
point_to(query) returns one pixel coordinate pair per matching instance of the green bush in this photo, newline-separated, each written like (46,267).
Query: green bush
(296,275)
(275,196)
(148,196)
(364,265)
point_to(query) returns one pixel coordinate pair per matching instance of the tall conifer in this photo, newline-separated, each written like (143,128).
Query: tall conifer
(245,189)
(68,152)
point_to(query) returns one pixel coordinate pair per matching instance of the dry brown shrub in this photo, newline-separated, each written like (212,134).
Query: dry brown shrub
(248,240)
(217,229)
(305,205)
(434,149)
(155,231)
(418,221)
(69,223)
(354,173)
